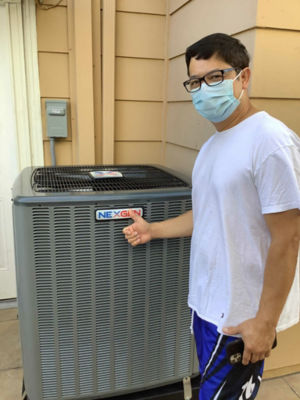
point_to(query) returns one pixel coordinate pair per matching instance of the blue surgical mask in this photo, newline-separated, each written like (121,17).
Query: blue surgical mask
(216,103)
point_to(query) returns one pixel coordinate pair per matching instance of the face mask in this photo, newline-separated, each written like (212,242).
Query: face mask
(216,103)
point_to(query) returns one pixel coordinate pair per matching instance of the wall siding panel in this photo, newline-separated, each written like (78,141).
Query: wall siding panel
(54,2)
(138,153)
(180,158)
(52,30)
(177,74)
(136,120)
(276,64)
(139,79)
(200,18)
(174,5)
(140,35)
(53,57)
(185,127)
(279,14)
(142,6)
(63,152)
(140,70)
(54,75)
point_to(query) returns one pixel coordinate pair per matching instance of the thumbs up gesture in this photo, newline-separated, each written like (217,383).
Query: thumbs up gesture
(139,232)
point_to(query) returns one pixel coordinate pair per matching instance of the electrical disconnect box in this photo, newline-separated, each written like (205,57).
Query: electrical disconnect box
(57,124)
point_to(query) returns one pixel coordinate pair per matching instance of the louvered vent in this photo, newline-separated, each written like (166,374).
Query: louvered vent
(101,178)
(110,317)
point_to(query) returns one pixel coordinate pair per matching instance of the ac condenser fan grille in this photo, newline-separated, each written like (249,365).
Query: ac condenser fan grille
(101,178)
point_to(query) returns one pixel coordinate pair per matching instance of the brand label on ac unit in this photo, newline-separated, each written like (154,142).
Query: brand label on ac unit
(123,213)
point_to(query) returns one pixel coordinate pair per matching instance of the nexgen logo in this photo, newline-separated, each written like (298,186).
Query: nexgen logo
(102,215)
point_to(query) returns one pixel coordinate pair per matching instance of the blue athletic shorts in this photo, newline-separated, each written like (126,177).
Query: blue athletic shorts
(219,379)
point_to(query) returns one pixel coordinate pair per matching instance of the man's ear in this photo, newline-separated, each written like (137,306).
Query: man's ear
(245,77)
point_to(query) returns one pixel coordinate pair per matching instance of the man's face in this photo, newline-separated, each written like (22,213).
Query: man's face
(199,68)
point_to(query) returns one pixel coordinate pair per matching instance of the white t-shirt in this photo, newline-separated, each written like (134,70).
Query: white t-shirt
(240,174)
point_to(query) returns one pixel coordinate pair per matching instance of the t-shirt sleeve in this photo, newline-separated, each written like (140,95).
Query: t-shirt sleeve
(278,180)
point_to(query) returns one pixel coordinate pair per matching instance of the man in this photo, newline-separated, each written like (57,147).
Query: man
(244,224)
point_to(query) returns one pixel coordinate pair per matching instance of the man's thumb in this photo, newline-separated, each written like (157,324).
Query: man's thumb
(133,215)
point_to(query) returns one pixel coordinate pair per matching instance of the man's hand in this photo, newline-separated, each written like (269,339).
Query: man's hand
(142,231)
(139,232)
(258,339)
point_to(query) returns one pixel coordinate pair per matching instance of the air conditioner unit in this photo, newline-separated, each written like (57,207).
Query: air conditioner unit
(99,318)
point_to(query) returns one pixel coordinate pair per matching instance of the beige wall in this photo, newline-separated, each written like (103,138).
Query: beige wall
(66,57)
(140,70)
(110,122)
(53,56)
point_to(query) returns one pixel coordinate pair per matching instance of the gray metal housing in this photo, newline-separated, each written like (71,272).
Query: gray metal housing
(99,318)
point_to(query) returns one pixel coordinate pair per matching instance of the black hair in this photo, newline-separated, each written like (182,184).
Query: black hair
(222,46)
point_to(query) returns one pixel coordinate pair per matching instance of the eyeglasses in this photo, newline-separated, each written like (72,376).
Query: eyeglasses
(212,78)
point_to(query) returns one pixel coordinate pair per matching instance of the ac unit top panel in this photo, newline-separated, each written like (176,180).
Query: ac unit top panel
(96,183)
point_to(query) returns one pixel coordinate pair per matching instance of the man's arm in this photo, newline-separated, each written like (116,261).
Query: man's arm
(142,232)
(259,333)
